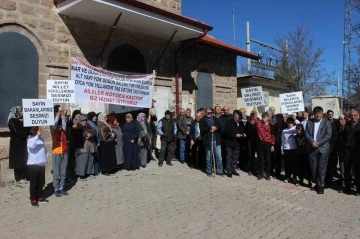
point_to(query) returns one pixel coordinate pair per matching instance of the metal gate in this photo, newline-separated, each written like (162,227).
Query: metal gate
(19,71)
(204,96)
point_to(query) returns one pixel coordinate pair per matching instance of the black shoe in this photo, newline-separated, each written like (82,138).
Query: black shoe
(320,190)
(182,162)
(315,188)
(57,194)
(235,173)
(250,173)
(63,192)
(160,164)
(34,204)
(229,175)
(209,174)
(357,194)
(267,177)
(221,174)
(169,164)
(260,177)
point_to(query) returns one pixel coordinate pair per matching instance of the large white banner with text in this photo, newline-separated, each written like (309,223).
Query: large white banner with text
(98,85)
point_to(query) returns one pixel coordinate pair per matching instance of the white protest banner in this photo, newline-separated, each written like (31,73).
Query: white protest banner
(98,85)
(292,102)
(61,91)
(38,112)
(253,96)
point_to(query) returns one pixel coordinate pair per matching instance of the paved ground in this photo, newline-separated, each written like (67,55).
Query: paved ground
(178,202)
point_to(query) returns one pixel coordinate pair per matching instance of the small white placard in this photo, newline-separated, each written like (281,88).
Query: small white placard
(38,112)
(292,102)
(61,91)
(253,96)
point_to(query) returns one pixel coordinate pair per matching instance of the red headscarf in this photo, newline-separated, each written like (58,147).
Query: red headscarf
(112,119)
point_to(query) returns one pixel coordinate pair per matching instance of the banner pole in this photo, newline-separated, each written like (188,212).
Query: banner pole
(151,94)
(69,74)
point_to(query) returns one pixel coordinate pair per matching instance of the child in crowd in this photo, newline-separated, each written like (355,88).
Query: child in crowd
(304,165)
(59,151)
(289,151)
(37,158)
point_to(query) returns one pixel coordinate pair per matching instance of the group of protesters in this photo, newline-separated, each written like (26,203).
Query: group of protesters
(83,146)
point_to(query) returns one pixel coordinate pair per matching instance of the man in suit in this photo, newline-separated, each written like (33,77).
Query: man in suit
(318,134)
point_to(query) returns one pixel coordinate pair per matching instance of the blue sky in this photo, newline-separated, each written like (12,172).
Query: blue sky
(269,18)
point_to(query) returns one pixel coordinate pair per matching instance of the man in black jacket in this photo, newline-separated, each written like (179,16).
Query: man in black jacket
(197,150)
(223,119)
(333,157)
(167,130)
(234,131)
(210,128)
(352,152)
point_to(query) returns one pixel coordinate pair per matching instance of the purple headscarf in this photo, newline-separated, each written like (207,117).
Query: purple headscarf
(140,118)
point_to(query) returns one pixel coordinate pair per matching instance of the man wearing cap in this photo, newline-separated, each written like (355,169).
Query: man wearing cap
(167,130)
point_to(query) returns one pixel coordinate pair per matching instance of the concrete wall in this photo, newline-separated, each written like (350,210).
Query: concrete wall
(329,102)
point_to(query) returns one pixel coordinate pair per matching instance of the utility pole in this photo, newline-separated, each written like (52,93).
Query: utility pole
(338,86)
(248,46)
(233,12)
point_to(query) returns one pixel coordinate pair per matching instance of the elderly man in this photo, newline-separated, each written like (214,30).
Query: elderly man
(196,142)
(341,149)
(184,122)
(223,119)
(352,152)
(318,135)
(217,111)
(234,131)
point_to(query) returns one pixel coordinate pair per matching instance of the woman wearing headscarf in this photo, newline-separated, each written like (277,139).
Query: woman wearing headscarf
(86,151)
(92,120)
(144,138)
(114,124)
(74,136)
(107,153)
(130,146)
(18,144)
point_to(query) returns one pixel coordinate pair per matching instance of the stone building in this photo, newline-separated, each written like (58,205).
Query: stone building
(38,38)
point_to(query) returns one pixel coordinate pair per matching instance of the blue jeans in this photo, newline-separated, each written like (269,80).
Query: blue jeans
(184,149)
(209,163)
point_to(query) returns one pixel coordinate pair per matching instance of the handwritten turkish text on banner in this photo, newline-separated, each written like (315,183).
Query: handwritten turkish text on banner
(292,102)
(38,112)
(253,96)
(98,85)
(61,91)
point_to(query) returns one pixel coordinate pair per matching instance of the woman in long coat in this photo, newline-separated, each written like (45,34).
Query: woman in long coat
(131,148)
(85,152)
(18,144)
(107,152)
(144,138)
(114,124)
(92,121)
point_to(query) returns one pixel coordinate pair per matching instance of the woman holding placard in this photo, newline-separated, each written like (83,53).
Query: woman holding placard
(18,150)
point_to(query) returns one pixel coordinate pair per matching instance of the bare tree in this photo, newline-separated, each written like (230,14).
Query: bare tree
(301,63)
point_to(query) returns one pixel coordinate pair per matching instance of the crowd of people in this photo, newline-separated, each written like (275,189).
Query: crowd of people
(309,145)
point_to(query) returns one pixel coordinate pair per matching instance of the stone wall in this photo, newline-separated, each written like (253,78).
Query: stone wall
(169,5)
(221,65)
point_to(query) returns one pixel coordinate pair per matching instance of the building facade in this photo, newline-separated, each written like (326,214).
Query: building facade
(39,37)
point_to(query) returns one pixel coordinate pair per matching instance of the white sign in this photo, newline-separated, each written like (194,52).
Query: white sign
(253,96)
(98,85)
(38,112)
(61,91)
(292,102)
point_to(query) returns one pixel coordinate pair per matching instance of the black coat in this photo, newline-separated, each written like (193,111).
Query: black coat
(205,131)
(334,135)
(352,141)
(231,130)
(18,144)
(192,131)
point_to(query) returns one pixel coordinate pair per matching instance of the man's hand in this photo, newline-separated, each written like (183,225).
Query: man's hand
(238,135)
(272,148)
(315,145)
(187,132)
(212,131)
(112,135)
(244,135)
(192,142)
(213,128)
(132,141)
(282,152)
(88,135)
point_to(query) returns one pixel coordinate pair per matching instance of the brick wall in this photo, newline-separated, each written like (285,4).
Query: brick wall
(169,5)
(222,66)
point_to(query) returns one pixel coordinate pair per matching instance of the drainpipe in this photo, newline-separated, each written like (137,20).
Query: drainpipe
(180,49)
